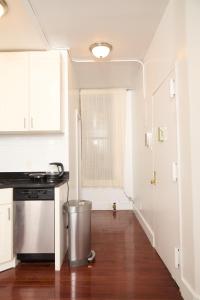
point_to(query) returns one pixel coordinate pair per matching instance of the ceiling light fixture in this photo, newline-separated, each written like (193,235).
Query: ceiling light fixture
(100,50)
(3,8)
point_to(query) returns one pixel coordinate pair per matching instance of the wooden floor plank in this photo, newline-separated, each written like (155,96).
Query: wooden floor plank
(126,268)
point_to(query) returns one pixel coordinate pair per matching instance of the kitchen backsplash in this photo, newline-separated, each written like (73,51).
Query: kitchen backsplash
(32,152)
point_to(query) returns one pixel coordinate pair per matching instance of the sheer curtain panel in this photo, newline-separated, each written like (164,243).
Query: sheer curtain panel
(103,119)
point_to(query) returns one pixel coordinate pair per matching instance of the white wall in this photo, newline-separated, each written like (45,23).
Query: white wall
(33,152)
(103,198)
(106,74)
(73,138)
(143,156)
(193,51)
(176,44)
(20,153)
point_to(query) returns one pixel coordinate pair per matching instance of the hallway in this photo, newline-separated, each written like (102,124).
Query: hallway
(126,268)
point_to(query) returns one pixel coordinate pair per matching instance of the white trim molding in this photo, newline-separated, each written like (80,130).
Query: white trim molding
(134,60)
(8,265)
(187,291)
(145,225)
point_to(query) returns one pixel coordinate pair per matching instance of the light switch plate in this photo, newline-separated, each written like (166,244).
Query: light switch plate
(162,134)
(148,139)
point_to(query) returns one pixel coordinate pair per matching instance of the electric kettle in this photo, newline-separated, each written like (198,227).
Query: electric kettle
(56,171)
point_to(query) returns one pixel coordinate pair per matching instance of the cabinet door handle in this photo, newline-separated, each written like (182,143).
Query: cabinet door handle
(9,213)
(24,123)
(31,122)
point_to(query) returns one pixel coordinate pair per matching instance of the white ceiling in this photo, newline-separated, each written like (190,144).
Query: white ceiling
(128,25)
(19,29)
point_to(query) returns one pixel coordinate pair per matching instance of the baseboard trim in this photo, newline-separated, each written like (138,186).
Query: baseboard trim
(8,265)
(187,291)
(145,225)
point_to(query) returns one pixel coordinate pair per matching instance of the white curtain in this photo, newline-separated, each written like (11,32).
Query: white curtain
(103,122)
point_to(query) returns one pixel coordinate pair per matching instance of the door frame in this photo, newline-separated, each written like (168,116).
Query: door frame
(173,70)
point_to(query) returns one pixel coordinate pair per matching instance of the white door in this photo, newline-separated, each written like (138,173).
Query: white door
(6,243)
(14,92)
(166,187)
(45,94)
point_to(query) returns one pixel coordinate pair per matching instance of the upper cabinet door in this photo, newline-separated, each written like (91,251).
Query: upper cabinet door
(45,92)
(14,85)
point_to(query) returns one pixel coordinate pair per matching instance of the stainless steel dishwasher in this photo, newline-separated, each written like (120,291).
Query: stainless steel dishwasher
(34,223)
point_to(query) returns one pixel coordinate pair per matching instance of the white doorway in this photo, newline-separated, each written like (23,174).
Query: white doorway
(107,163)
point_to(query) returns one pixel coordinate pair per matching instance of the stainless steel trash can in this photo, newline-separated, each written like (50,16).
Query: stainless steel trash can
(79,232)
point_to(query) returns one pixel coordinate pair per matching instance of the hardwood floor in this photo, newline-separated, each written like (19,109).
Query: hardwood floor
(126,268)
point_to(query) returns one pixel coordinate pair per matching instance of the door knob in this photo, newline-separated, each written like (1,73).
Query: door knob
(153,180)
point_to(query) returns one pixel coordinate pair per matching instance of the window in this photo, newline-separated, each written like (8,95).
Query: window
(102,137)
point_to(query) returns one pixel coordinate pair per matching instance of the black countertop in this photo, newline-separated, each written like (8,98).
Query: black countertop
(22,180)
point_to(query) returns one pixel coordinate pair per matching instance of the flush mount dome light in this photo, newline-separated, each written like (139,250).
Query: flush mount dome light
(3,8)
(100,50)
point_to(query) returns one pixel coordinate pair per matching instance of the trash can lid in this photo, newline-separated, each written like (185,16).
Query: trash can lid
(78,205)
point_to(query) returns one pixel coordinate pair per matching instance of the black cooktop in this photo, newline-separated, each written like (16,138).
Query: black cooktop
(23,180)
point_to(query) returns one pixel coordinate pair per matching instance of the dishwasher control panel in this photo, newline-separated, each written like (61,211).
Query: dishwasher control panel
(23,194)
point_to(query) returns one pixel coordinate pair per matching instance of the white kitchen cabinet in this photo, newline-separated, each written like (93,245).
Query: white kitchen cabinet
(60,226)
(45,91)
(30,95)
(6,229)
(14,76)
(5,233)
